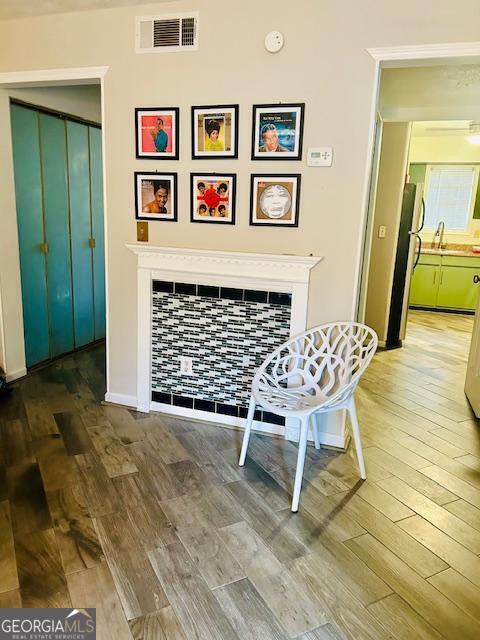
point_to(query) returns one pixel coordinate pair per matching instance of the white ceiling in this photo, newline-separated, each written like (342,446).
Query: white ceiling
(24,8)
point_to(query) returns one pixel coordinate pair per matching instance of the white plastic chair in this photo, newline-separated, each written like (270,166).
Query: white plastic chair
(313,373)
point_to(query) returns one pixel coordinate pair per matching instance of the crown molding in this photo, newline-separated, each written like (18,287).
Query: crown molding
(425,51)
(42,77)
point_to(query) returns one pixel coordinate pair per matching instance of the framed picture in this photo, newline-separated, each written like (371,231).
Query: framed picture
(213,197)
(156,196)
(274,200)
(277,131)
(215,132)
(156,133)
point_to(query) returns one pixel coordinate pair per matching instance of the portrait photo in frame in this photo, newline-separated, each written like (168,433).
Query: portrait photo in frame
(213,197)
(277,131)
(215,131)
(156,196)
(157,133)
(275,200)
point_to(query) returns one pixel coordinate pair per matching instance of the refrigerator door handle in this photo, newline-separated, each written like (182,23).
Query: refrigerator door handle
(419,250)
(423,218)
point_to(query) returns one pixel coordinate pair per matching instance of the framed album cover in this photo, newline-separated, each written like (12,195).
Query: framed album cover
(213,197)
(156,196)
(275,199)
(277,131)
(215,132)
(157,133)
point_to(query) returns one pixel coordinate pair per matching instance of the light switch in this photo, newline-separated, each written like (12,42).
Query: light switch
(320,157)
(382,231)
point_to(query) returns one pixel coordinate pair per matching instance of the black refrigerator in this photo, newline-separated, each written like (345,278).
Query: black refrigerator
(409,245)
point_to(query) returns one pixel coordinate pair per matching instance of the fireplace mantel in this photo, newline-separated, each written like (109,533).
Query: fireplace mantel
(258,266)
(238,270)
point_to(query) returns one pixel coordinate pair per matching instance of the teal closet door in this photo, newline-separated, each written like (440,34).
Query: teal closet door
(28,192)
(96,186)
(57,231)
(80,230)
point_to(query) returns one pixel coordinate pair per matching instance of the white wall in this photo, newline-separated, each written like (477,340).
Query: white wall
(388,207)
(323,63)
(443,149)
(83,101)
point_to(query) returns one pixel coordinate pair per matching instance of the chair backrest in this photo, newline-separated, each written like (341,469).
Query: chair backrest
(327,360)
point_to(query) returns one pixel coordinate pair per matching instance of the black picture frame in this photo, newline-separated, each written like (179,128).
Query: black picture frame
(162,111)
(271,109)
(275,178)
(155,176)
(214,109)
(194,198)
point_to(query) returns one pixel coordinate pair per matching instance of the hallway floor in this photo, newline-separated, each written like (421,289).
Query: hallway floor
(150,520)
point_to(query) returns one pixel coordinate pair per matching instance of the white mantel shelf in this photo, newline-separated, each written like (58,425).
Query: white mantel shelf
(232,264)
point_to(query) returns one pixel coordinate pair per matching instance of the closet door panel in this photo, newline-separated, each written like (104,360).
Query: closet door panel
(80,228)
(96,186)
(57,232)
(28,192)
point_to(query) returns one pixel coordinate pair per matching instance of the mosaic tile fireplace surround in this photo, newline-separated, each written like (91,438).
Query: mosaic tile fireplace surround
(226,331)
(226,311)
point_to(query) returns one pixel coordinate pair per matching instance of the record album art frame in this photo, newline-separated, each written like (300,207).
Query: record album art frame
(215,131)
(212,197)
(275,200)
(277,131)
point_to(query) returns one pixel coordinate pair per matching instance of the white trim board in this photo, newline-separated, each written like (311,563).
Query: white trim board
(15,375)
(121,399)
(45,77)
(395,56)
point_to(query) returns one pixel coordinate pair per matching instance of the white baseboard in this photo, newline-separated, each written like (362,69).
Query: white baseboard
(15,375)
(218,418)
(120,398)
(289,432)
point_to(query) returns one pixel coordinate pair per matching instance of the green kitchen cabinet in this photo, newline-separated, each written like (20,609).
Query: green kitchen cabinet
(456,288)
(424,285)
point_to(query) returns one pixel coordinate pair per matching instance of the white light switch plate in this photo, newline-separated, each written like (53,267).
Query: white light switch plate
(320,156)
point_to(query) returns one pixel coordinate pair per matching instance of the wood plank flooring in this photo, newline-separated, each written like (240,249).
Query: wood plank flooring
(150,520)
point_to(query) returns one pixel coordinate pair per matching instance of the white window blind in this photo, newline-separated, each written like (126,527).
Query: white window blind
(450,196)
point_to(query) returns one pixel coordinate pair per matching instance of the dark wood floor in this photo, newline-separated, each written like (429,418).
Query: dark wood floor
(150,520)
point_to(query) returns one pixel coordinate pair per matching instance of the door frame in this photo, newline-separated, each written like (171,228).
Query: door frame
(50,78)
(400,56)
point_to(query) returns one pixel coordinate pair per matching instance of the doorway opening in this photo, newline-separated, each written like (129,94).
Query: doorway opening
(53,126)
(57,161)
(423,243)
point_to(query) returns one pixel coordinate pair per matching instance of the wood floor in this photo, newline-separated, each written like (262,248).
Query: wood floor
(150,520)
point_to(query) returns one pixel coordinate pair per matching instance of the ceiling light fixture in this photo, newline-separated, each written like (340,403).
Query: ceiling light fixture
(474,138)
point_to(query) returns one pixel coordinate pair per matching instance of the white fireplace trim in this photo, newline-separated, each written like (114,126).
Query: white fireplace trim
(285,273)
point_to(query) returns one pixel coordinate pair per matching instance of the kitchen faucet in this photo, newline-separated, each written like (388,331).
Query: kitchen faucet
(439,232)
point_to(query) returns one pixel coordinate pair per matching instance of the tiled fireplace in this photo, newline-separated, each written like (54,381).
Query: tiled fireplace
(226,331)
(224,312)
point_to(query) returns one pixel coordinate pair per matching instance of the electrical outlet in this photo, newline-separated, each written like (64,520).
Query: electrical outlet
(382,231)
(186,366)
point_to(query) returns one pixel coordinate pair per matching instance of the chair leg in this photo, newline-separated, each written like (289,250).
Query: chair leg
(246,435)
(356,438)
(316,430)
(302,449)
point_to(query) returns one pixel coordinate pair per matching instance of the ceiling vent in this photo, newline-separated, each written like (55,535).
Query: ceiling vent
(172,32)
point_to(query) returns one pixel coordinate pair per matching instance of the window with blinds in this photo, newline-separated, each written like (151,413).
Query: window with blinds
(450,196)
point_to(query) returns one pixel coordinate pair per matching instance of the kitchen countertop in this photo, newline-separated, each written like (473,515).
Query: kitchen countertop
(451,252)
